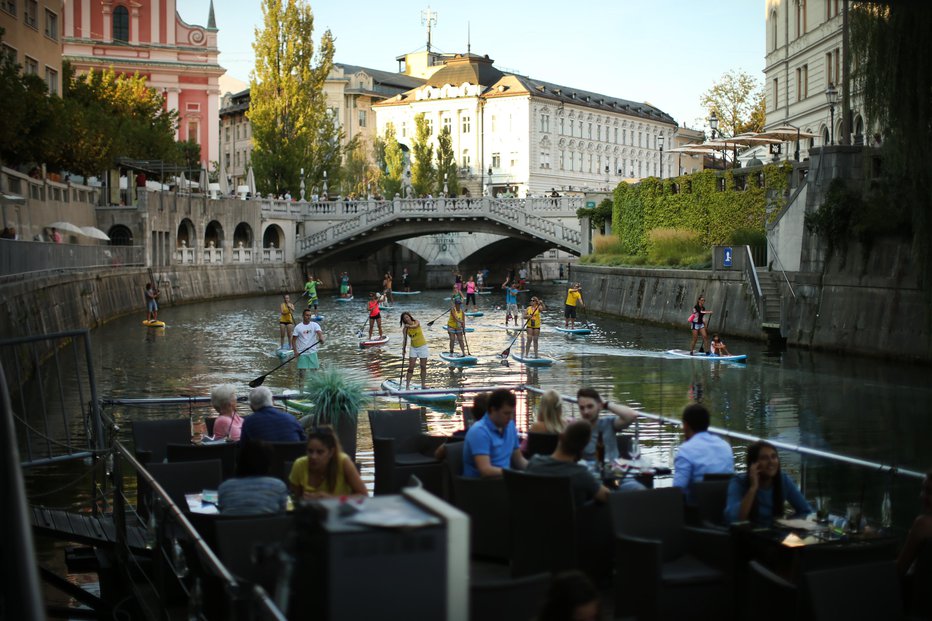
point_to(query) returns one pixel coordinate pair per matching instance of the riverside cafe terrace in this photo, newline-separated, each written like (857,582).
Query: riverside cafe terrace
(471,549)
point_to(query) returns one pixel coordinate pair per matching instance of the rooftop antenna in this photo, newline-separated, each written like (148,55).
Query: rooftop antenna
(428,18)
(468,39)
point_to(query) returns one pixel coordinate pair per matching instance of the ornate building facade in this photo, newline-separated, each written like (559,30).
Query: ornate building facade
(522,136)
(805,54)
(151,38)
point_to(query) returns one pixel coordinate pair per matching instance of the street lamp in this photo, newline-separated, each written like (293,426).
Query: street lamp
(445,190)
(302,185)
(325,185)
(660,142)
(713,124)
(831,95)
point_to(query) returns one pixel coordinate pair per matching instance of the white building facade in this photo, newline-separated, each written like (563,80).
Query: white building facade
(804,56)
(516,135)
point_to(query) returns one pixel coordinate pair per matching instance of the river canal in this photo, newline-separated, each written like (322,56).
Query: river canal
(870,409)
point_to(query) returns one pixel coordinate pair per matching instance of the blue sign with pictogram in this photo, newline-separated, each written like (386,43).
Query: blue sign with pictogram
(726,256)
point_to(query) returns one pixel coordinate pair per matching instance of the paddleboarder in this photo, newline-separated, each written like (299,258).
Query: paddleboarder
(310,290)
(532,317)
(471,294)
(573,297)
(511,303)
(419,349)
(375,315)
(456,324)
(346,289)
(405,280)
(152,306)
(305,335)
(285,320)
(697,323)
(718,347)
(387,287)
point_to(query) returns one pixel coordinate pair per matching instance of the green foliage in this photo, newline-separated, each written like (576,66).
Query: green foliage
(674,247)
(696,203)
(895,80)
(394,163)
(446,164)
(607,244)
(292,127)
(360,170)
(335,396)
(423,175)
(599,215)
(28,127)
(738,101)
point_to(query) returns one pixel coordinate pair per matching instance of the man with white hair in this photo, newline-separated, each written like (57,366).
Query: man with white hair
(267,422)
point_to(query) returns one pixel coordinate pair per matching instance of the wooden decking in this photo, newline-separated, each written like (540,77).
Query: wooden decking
(83,528)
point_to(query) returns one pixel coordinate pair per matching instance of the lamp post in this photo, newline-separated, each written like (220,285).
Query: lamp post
(445,190)
(325,185)
(660,142)
(713,124)
(831,95)
(490,181)
(302,185)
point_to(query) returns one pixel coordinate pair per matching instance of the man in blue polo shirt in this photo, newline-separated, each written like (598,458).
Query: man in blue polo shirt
(268,423)
(492,442)
(702,453)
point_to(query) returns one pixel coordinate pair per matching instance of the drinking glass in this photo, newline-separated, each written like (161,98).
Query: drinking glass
(853,516)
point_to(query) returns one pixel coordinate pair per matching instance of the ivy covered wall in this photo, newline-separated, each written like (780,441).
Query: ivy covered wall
(711,203)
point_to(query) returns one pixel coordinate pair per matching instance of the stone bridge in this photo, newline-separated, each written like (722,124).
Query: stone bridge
(356,227)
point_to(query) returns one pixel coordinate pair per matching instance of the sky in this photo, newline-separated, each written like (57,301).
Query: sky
(664,52)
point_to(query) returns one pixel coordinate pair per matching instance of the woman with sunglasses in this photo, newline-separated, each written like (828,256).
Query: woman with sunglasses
(697,323)
(532,321)
(326,470)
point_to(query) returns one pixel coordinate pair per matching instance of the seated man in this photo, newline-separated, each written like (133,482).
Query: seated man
(492,441)
(603,428)
(702,453)
(268,423)
(563,464)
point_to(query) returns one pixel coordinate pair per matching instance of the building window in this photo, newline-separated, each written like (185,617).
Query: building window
(562,159)
(9,6)
(831,8)
(590,131)
(362,118)
(624,136)
(404,129)
(467,124)
(802,82)
(496,160)
(51,80)
(837,71)
(514,159)
(30,66)
(51,25)
(192,131)
(545,123)
(8,52)
(493,123)
(226,133)
(466,161)
(800,18)
(120,24)
(598,132)
(616,135)
(226,161)
(236,159)
(775,96)
(31,16)
(447,123)
(562,126)
(580,129)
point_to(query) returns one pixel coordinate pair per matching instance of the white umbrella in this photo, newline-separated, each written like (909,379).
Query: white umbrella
(203,180)
(786,133)
(94,232)
(750,139)
(66,227)
(251,181)
(224,186)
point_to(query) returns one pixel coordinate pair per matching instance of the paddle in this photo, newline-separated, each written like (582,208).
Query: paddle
(586,313)
(465,340)
(431,322)
(259,380)
(505,353)
(404,343)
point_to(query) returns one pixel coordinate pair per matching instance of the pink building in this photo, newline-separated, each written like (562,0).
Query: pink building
(149,37)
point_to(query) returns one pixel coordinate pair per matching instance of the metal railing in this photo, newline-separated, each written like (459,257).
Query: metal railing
(782,271)
(750,271)
(33,258)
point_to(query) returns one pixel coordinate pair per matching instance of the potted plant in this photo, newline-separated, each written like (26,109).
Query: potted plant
(337,400)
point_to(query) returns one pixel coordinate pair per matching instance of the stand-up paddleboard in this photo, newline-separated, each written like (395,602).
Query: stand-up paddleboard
(475,314)
(153,324)
(533,362)
(458,358)
(574,330)
(512,328)
(392,386)
(405,292)
(483,293)
(305,407)
(349,299)
(560,281)
(447,328)
(374,342)
(317,318)
(682,353)
(385,307)
(284,353)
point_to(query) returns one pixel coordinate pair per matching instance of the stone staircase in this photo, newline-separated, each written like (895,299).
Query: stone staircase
(770,288)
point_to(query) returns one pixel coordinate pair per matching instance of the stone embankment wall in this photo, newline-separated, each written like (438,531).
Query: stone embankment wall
(833,312)
(69,301)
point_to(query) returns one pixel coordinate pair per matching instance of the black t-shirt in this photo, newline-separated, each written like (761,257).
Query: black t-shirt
(585,485)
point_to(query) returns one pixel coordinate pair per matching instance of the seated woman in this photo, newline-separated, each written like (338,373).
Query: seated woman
(920,533)
(758,496)
(229,424)
(549,414)
(252,491)
(718,346)
(326,470)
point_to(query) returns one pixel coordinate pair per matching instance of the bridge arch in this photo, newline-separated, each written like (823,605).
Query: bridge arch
(273,237)
(213,235)
(185,235)
(120,235)
(242,235)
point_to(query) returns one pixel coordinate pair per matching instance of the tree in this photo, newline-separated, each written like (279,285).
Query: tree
(423,175)
(393,163)
(292,126)
(738,101)
(446,164)
(360,172)
(29,115)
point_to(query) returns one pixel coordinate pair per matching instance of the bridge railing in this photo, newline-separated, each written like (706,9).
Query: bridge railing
(511,212)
